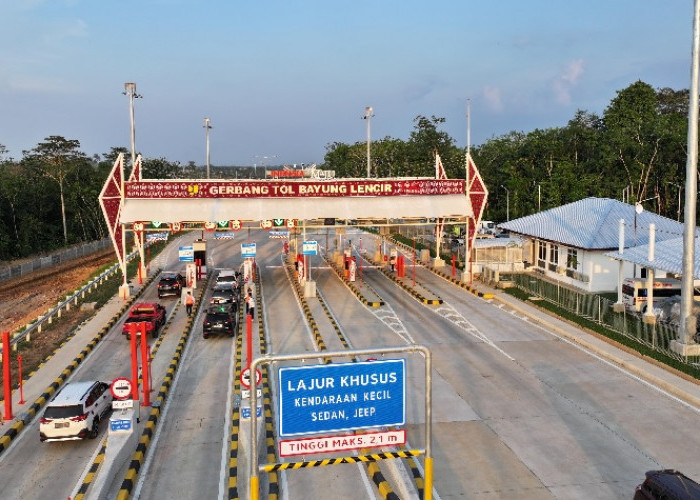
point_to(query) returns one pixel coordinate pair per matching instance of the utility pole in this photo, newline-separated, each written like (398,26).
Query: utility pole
(207,126)
(368,116)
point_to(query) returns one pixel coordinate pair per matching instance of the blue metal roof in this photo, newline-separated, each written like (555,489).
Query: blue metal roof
(593,224)
(668,256)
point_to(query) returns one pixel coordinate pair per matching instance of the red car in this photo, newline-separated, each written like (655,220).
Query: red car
(151,313)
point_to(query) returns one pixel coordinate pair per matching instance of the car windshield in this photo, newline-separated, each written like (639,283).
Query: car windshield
(63,411)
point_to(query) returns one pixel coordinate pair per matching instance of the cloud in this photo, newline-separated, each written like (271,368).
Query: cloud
(566,81)
(493,99)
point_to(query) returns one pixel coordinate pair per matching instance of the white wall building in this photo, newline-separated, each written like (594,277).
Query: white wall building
(569,243)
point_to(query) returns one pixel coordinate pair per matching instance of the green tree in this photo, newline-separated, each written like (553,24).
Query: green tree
(56,159)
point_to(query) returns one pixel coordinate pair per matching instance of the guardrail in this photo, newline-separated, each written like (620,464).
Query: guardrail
(18,269)
(25,334)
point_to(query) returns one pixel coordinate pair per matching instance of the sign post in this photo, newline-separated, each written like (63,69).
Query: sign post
(342,397)
(385,376)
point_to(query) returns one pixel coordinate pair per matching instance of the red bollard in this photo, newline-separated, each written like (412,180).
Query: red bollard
(19,374)
(7,375)
(133,329)
(249,339)
(144,366)
(454,266)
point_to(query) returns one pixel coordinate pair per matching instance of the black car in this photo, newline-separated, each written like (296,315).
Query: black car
(223,294)
(171,284)
(667,484)
(222,318)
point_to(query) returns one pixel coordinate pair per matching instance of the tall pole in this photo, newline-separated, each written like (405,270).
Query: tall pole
(467,238)
(688,321)
(130,90)
(368,116)
(507,202)
(207,126)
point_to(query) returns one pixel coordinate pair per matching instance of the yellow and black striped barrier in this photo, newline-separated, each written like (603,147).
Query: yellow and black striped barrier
(373,457)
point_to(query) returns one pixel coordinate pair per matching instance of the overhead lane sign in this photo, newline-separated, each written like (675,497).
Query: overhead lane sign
(341,397)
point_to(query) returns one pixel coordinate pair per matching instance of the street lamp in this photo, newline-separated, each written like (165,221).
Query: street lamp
(679,197)
(507,203)
(368,116)
(130,90)
(207,126)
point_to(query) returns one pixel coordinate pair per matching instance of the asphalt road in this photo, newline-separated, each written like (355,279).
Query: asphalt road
(519,409)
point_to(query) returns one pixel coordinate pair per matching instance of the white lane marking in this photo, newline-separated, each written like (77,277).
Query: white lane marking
(448,312)
(387,315)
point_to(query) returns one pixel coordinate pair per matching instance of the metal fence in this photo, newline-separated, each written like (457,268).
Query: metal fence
(18,269)
(599,309)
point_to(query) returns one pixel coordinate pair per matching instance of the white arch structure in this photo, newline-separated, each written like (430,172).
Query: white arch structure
(128,202)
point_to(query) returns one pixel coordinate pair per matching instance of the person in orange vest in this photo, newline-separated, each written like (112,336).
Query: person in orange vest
(189,302)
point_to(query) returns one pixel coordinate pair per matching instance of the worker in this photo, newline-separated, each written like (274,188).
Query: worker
(189,302)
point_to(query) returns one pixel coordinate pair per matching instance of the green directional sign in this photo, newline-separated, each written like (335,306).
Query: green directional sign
(278,222)
(223,223)
(155,224)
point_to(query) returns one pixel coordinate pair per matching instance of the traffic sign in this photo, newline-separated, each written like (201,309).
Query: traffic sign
(209,226)
(309,248)
(245,412)
(121,388)
(337,443)
(248,250)
(245,377)
(187,254)
(341,397)
(175,227)
(266,224)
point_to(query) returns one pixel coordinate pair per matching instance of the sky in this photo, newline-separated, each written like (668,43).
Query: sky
(281,80)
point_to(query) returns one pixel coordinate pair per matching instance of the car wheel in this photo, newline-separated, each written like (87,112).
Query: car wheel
(95,428)
(128,336)
(205,336)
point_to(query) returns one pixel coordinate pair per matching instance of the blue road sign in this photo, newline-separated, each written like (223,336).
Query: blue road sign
(309,248)
(116,425)
(342,397)
(187,254)
(245,412)
(248,250)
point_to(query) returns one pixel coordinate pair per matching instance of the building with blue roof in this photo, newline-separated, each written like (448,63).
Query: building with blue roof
(572,243)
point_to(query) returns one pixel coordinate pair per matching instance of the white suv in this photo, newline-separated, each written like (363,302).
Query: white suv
(75,411)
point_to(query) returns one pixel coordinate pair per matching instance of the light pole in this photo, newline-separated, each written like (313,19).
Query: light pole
(207,126)
(507,203)
(368,116)
(679,197)
(130,90)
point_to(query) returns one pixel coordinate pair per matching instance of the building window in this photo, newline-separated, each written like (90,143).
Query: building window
(542,254)
(554,254)
(572,259)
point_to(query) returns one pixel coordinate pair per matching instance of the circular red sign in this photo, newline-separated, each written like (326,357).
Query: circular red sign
(121,388)
(245,377)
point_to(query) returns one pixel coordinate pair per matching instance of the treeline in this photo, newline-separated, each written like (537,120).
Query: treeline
(635,151)
(49,198)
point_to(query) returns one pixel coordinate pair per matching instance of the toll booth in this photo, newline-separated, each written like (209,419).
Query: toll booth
(200,255)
